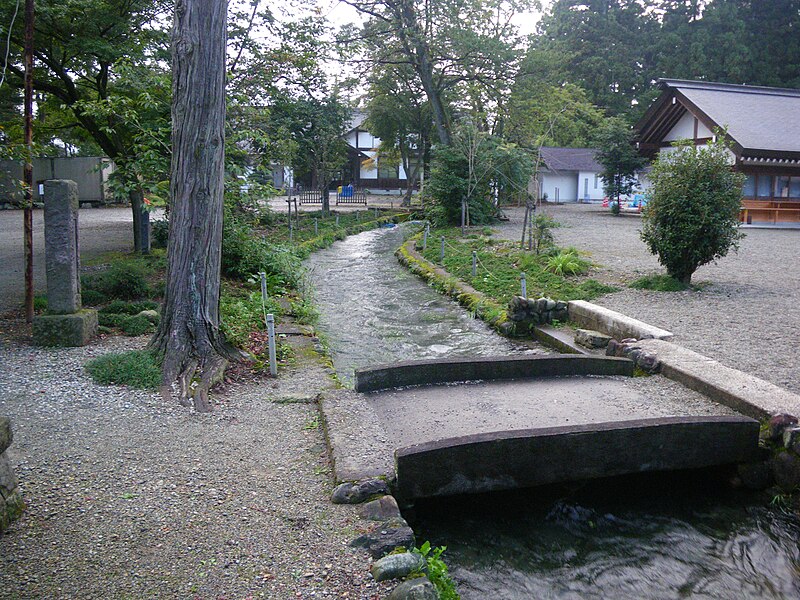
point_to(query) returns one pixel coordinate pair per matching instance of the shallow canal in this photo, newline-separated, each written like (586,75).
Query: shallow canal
(656,537)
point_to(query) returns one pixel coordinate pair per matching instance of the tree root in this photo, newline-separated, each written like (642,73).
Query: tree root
(194,381)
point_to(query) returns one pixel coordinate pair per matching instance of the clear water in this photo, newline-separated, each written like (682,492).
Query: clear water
(665,536)
(373,311)
(657,537)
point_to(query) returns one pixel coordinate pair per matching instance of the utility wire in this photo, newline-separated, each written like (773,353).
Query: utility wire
(8,44)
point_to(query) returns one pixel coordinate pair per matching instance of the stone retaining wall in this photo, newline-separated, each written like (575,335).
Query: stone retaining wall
(11,504)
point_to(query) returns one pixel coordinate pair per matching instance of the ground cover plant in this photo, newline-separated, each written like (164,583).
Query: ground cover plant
(556,274)
(659,283)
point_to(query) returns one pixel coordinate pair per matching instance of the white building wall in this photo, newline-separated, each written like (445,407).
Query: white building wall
(369,172)
(590,186)
(561,188)
(684,130)
(366,140)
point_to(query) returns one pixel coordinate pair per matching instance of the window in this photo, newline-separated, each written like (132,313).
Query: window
(781,187)
(596,180)
(794,187)
(764,187)
(749,189)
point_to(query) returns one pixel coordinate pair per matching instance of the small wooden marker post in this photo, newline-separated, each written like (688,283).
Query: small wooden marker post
(273,361)
(523,285)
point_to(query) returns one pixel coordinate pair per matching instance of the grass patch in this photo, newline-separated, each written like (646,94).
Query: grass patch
(660,283)
(138,369)
(500,265)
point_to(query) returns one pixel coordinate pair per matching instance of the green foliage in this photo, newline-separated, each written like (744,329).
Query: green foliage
(242,313)
(469,169)
(92,297)
(500,266)
(129,308)
(619,158)
(692,216)
(567,262)
(659,283)
(245,254)
(111,319)
(137,325)
(39,302)
(542,227)
(437,571)
(138,369)
(159,233)
(125,280)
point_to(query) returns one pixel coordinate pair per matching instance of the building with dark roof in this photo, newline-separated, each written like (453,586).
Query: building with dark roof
(762,125)
(570,175)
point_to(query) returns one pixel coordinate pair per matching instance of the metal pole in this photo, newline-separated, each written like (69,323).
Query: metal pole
(337,220)
(474,263)
(263,277)
(441,252)
(316,227)
(28,169)
(358,216)
(425,239)
(523,285)
(291,231)
(530,228)
(463,217)
(273,362)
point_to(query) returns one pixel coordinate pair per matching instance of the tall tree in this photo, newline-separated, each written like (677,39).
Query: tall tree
(188,336)
(619,158)
(78,45)
(462,52)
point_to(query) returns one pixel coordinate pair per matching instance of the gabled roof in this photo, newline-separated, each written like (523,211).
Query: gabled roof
(569,159)
(357,118)
(761,121)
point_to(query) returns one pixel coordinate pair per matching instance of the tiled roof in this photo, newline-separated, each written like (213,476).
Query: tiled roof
(757,118)
(570,159)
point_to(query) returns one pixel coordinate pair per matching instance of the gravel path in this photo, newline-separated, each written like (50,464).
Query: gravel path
(745,314)
(129,497)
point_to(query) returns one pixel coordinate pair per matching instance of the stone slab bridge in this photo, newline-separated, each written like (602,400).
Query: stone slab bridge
(446,427)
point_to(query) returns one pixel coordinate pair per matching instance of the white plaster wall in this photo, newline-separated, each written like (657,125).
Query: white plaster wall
(366,140)
(684,130)
(566,184)
(350,138)
(369,173)
(595,187)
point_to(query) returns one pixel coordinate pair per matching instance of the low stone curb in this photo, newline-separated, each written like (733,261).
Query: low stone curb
(592,316)
(744,393)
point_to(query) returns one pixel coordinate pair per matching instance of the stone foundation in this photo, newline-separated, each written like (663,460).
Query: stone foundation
(11,504)
(76,329)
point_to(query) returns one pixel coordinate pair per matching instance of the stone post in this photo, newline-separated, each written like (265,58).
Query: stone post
(11,504)
(62,256)
(66,324)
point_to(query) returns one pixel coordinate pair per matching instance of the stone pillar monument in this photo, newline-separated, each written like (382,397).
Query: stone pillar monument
(66,324)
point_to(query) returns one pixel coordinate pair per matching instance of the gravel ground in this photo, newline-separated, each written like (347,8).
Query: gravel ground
(745,313)
(129,497)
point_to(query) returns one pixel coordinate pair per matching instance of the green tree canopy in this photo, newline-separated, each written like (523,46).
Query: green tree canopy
(692,216)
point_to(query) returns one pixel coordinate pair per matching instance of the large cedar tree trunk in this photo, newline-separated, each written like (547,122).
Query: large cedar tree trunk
(188,337)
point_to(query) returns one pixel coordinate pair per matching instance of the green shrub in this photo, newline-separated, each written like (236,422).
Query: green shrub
(245,254)
(138,369)
(111,319)
(159,233)
(567,262)
(40,302)
(239,315)
(129,308)
(93,297)
(692,216)
(124,280)
(659,283)
(138,325)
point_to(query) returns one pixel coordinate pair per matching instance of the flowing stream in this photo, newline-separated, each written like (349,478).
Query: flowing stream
(683,535)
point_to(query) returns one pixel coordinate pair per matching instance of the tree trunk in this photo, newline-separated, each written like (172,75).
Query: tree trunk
(188,337)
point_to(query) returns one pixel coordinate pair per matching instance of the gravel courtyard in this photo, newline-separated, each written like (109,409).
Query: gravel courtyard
(745,314)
